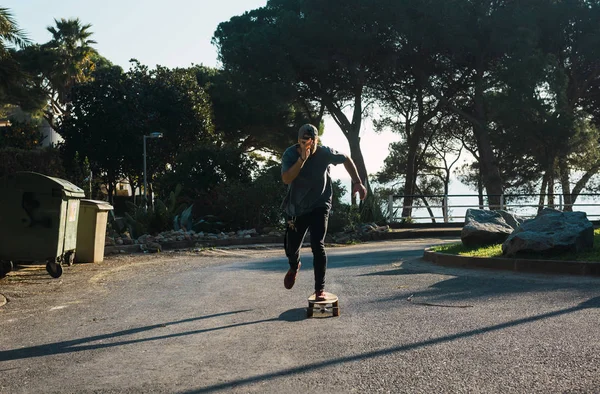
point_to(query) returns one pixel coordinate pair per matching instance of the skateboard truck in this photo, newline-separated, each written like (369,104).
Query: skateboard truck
(330,304)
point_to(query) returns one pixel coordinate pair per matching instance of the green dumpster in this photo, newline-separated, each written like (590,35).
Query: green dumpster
(38,220)
(91,231)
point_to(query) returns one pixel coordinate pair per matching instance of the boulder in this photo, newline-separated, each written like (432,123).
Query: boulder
(551,232)
(483,227)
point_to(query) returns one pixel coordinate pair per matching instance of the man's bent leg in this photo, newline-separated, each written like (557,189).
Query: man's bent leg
(318,230)
(294,235)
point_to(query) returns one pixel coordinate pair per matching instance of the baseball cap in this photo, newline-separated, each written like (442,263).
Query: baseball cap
(308,131)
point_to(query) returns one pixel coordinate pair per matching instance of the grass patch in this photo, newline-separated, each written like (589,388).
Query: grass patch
(462,250)
(496,251)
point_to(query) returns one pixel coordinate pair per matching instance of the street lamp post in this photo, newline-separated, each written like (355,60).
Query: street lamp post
(152,135)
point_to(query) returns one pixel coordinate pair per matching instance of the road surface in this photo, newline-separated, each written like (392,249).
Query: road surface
(221,321)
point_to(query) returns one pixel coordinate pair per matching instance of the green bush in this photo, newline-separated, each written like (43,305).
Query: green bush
(343,217)
(22,135)
(153,220)
(244,205)
(46,161)
(203,170)
(371,209)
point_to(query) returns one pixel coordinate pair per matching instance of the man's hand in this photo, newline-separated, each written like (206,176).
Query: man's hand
(361,190)
(305,148)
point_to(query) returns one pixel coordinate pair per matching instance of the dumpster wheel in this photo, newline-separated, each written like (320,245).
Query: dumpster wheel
(69,258)
(54,269)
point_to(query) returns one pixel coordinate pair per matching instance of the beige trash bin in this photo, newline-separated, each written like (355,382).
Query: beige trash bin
(91,231)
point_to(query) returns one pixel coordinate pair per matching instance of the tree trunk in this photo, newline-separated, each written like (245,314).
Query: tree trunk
(550,173)
(445,210)
(111,190)
(351,131)
(410,178)
(414,135)
(565,184)
(582,182)
(542,193)
(487,161)
(480,188)
(431,214)
(133,186)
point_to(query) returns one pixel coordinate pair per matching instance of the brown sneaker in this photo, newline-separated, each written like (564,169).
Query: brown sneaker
(290,277)
(320,295)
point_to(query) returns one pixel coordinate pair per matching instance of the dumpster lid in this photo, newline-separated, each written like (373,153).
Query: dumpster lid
(35,180)
(99,204)
(69,189)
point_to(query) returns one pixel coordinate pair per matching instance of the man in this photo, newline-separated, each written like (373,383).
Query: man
(305,168)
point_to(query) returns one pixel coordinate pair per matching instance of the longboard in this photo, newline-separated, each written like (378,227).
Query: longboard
(330,304)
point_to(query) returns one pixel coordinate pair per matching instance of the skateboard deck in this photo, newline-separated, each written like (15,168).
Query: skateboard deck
(330,304)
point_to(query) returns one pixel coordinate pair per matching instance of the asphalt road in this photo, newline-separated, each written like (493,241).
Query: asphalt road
(220,320)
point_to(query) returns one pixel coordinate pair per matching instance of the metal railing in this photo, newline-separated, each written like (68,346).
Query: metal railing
(442,206)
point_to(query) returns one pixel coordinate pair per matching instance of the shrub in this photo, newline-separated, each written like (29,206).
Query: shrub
(243,205)
(46,161)
(153,220)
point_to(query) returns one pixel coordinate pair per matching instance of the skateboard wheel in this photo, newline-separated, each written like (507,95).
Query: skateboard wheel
(309,311)
(336,308)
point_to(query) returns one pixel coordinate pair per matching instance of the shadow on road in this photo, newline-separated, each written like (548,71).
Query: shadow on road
(334,259)
(473,284)
(78,345)
(458,284)
(591,303)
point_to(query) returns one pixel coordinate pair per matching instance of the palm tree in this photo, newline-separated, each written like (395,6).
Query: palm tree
(70,40)
(73,61)
(12,77)
(10,32)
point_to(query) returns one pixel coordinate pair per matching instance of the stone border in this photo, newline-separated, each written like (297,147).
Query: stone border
(189,244)
(514,264)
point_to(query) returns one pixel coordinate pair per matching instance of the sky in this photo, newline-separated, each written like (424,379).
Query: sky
(176,33)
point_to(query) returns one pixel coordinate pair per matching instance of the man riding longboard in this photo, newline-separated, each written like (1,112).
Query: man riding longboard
(305,168)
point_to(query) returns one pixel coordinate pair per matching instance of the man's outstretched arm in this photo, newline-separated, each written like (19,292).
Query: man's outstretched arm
(353,172)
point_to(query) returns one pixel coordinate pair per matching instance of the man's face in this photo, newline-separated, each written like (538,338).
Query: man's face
(308,142)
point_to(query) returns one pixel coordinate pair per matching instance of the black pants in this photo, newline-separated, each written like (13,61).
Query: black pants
(296,229)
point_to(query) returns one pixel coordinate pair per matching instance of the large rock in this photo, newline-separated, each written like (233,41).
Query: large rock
(484,227)
(551,232)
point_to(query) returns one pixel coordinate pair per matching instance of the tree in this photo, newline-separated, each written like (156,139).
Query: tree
(474,37)
(433,162)
(402,86)
(58,65)
(21,134)
(99,127)
(326,53)
(15,84)
(113,111)
(573,45)
(10,33)
(255,116)
(71,44)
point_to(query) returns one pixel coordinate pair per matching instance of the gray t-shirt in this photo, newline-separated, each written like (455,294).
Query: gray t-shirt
(312,187)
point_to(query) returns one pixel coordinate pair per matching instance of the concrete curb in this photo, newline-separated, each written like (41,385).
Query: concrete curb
(188,244)
(514,264)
